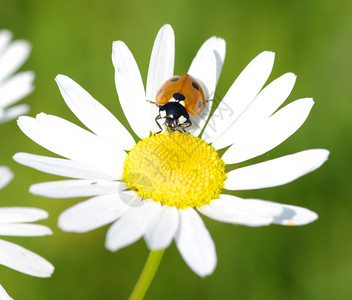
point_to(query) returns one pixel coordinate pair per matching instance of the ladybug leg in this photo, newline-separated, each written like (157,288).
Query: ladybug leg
(158,117)
(186,124)
(150,101)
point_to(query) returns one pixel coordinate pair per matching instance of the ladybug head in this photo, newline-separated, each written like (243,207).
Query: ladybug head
(175,115)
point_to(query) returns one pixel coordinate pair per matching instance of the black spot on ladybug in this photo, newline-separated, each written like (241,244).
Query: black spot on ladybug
(195,85)
(160,91)
(179,97)
(174,79)
(199,104)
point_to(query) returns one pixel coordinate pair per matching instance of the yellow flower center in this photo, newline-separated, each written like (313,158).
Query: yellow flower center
(176,169)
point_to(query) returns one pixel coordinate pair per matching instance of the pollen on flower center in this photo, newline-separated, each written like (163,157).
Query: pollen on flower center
(176,169)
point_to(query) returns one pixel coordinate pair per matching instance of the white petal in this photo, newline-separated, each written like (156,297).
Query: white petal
(92,114)
(75,188)
(68,140)
(21,214)
(5,39)
(162,228)
(63,167)
(295,215)
(255,212)
(92,214)
(3,294)
(129,86)
(203,68)
(277,171)
(270,133)
(199,121)
(13,57)
(23,260)
(5,176)
(218,45)
(131,226)
(240,95)
(249,212)
(263,106)
(13,113)
(195,243)
(24,230)
(271,97)
(16,88)
(161,67)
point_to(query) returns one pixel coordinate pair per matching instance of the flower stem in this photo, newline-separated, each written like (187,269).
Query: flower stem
(147,275)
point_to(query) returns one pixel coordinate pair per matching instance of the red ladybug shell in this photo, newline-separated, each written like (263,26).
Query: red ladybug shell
(184,89)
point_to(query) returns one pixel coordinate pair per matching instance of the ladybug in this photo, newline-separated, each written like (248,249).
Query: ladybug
(179,97)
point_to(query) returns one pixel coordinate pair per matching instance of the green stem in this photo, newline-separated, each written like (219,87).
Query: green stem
(147,275)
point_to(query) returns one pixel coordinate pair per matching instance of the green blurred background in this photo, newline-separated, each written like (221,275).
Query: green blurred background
(310,38)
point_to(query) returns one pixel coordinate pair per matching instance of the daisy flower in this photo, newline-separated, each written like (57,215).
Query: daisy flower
(155,188)
(14,222)
(13,88)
